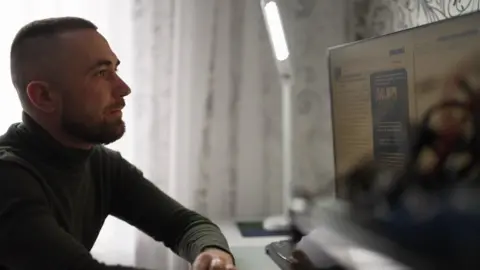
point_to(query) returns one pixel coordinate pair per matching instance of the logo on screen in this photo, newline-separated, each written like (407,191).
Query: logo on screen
(386,93)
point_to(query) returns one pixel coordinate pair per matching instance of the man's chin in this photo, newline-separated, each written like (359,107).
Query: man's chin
(114,134)
(106,133)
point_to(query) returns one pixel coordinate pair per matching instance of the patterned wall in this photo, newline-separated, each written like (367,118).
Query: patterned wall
(378,17)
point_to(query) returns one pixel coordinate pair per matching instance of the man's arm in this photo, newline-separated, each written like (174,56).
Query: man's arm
(140,203)
(30,237)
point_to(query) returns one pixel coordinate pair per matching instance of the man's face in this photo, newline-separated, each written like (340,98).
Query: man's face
(91,93)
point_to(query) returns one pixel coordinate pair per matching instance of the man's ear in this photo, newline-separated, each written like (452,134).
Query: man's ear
(41,96)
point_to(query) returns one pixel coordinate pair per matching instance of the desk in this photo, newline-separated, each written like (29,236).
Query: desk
(249,252)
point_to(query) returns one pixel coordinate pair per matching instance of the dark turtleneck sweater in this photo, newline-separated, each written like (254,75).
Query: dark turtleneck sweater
(54,200)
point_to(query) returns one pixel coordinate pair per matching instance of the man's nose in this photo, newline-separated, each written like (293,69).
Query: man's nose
(121,88)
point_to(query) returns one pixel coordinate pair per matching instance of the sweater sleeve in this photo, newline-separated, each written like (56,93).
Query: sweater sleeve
(30,237)
(140,203)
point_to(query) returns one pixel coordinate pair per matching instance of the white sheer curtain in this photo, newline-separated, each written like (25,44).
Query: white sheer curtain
(209,109)
(116,243)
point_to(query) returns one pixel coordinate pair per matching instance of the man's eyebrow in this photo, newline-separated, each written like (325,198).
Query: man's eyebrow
(104,62)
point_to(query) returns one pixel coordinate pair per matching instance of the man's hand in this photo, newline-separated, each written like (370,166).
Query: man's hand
(213,259)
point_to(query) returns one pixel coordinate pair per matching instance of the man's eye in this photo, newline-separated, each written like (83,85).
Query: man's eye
(102,73)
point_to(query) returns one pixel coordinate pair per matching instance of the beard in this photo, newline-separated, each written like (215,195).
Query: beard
(102,132)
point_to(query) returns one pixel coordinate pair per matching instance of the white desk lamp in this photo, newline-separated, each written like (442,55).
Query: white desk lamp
(278,40)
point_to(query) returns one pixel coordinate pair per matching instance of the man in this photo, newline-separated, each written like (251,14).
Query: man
(57,182)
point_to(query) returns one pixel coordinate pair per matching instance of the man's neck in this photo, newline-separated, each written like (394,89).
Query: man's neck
(59,135)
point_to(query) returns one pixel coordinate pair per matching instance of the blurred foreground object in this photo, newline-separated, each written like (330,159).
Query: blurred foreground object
(425,215)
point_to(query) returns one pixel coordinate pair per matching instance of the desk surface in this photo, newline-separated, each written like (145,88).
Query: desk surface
(249,252)
(235,238)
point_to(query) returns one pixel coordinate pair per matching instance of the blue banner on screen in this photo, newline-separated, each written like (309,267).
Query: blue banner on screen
(389,93)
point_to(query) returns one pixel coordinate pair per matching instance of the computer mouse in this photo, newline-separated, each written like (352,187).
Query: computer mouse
(276,223)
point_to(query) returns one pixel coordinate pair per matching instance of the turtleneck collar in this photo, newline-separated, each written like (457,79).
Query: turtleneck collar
(46,147)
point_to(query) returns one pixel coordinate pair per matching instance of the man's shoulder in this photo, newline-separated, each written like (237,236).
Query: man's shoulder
(10,148)
(12,159)
(10,154)
(10,140)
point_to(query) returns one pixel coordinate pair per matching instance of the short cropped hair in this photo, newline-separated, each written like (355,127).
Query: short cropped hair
(27,49)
